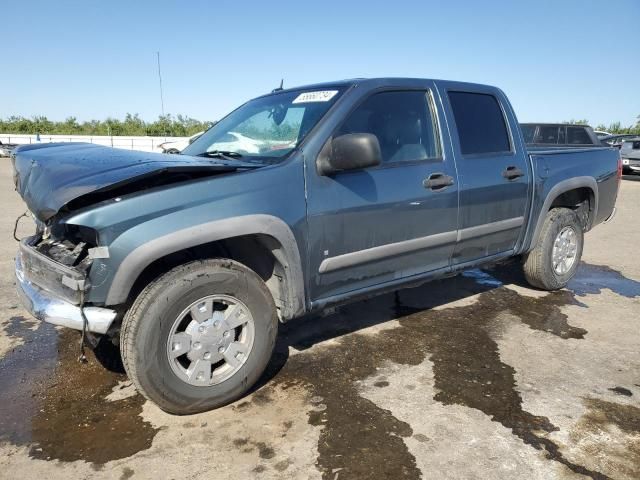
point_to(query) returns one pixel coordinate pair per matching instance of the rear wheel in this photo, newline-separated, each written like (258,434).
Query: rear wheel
(555,258)
(199,336)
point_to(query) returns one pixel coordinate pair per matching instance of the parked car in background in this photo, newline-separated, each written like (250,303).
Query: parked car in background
(559,135)
(178,145)
(630,153)
(189,262)
(239,143)
(616,140)
(6,149)
(601,134)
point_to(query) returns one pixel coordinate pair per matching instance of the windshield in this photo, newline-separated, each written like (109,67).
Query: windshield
(268,127)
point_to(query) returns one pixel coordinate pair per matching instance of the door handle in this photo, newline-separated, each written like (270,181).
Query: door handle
(437,181)
(512,172)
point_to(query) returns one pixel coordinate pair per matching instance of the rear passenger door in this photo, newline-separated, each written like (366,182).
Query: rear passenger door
(493,173)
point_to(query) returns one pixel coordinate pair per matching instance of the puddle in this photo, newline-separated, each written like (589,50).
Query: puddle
(66,411)
(57,407)
(18,327)
(592,279)
(361,440)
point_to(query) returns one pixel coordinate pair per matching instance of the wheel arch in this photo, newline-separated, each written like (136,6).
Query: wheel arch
(563,194)
(248,239)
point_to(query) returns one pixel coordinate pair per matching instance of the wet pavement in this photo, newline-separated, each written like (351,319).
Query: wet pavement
(476,376)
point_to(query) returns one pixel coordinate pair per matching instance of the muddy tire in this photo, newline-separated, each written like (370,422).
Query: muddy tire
(199,336)
(555,258)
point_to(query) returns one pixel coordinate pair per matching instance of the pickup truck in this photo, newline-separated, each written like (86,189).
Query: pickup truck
(189,262)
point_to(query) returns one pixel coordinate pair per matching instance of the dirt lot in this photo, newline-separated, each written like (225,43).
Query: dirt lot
(472,377)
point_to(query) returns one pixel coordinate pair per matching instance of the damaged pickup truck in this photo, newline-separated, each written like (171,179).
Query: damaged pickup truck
(189,262)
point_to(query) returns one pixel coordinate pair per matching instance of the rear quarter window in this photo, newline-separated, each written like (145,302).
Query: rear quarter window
(480,123)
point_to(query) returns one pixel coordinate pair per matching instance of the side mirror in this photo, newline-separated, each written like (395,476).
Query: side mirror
(349,152)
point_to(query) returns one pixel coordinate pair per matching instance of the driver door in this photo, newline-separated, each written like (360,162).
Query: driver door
(376,225)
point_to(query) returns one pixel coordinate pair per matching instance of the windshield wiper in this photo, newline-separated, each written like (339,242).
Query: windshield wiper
(221,154)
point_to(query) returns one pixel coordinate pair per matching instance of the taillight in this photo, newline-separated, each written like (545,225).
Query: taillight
(619,168)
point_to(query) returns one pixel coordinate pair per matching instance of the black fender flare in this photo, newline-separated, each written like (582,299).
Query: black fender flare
(141,257)
(557,190)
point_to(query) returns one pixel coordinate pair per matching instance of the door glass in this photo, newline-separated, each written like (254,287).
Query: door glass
(480,123)
(403,123)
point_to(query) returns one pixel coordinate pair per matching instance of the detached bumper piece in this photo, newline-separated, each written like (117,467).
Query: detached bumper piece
(50,291)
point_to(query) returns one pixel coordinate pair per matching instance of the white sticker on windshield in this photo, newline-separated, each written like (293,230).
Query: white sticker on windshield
(321,96)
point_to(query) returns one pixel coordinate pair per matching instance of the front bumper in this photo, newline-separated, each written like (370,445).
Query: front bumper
(48,308)
(631,164)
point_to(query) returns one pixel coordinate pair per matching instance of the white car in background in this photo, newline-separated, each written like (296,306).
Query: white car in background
(231,142)
(601,134)
(178,145)
(237,142)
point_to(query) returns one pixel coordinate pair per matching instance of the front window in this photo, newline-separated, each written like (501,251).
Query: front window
(403,122)
(268,127)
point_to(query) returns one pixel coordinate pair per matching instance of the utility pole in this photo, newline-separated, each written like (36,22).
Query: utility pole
(161,96)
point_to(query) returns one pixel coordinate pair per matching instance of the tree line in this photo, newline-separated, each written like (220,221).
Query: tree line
(132,125)
(167,125)
(614,128)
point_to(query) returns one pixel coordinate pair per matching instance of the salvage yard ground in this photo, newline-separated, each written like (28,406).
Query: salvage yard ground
(476,376)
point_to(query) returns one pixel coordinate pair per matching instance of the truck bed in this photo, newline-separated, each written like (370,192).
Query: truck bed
(555,166)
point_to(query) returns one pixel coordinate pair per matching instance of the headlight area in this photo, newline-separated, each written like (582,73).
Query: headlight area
(58,259)
(69,245)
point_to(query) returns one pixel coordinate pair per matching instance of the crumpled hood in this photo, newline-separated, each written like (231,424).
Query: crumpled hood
(50,175)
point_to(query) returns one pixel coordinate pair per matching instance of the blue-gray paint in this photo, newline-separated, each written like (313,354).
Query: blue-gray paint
(354,216)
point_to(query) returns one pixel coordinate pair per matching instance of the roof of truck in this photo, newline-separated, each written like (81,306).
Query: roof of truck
(374,80)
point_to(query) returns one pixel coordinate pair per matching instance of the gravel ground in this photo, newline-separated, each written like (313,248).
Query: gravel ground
(476,376)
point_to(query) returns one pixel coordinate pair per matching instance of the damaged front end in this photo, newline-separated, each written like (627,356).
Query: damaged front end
(66,185)
(52,279)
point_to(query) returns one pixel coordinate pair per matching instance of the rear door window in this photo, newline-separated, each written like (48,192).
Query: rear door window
(481,125)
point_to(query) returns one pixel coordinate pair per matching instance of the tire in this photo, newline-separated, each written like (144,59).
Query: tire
(148,325)
(172,151)
(539,265)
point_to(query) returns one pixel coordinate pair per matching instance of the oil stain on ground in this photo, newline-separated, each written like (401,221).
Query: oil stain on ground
(596,440)
(57,407)
(360,439)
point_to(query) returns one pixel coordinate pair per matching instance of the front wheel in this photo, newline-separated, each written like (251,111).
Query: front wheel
(555,258)
(199,336)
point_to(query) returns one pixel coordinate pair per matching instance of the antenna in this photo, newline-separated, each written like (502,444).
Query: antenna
(280,87)
(160,79)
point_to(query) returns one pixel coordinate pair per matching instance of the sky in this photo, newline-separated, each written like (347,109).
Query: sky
(557,60)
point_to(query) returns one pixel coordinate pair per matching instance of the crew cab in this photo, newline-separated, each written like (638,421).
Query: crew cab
(189,262)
